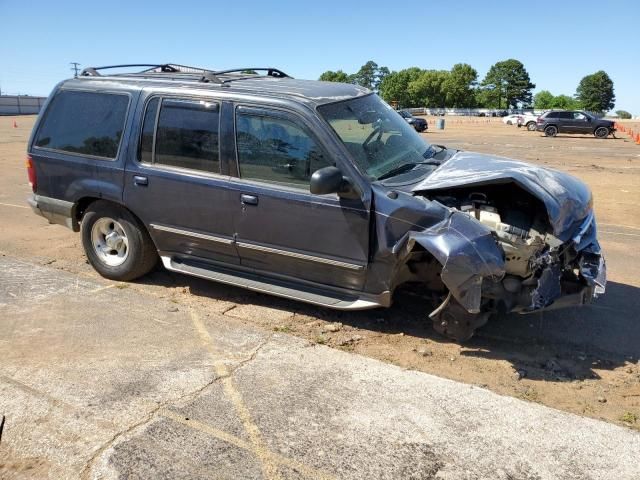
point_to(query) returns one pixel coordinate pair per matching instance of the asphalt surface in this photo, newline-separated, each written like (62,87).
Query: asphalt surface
(100,381)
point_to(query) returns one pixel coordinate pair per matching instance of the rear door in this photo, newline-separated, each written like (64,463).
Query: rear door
(282,228)
(173,182)
(566,123)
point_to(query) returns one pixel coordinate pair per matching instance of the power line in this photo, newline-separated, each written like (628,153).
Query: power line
(75,68)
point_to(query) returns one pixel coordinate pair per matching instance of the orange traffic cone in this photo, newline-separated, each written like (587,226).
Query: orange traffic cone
(15,124)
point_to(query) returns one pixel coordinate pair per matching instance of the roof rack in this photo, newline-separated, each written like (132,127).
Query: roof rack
(208,76)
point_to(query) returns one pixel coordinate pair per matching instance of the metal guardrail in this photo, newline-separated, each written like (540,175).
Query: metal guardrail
(20,104)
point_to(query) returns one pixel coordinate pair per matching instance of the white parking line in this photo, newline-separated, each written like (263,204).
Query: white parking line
(621,233)
(12,205)
(619,226)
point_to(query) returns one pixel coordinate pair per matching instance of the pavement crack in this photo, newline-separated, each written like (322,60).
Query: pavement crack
(86,471)
(252,355)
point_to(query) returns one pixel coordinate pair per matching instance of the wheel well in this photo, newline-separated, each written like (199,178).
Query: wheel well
(530,122)
(83,204)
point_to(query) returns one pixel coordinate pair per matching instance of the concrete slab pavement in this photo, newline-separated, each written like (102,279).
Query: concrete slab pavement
(100,381)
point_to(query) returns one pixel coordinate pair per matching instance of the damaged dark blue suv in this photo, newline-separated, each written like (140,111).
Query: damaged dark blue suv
(313,191)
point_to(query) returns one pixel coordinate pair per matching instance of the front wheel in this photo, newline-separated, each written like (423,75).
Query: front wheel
(551,131)
(453,321)
(509,122)
(531,126)
(601,132)
(116,243)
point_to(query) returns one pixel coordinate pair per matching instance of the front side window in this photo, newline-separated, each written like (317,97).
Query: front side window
(275,149)
(88,123)
(186,135)
(379,140)
(579,116)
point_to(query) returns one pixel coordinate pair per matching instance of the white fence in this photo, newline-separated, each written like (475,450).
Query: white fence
(20,104)
(468,112)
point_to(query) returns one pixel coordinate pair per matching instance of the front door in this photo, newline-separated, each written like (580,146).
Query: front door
(174,184)
(281,227)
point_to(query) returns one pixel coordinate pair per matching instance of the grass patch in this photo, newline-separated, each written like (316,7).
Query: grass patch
(629,417)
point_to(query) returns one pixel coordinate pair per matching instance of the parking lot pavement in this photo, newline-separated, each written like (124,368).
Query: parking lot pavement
(100,381)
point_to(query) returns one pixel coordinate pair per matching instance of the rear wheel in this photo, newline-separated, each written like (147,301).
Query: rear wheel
(509,122)
(601,132)
(551,131)
(116,243)
(531,126)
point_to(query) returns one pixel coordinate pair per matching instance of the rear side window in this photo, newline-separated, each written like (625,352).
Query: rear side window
(88,123)
(565,115)
(186,135)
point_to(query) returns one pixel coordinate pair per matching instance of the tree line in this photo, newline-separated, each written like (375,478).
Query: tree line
(506,85)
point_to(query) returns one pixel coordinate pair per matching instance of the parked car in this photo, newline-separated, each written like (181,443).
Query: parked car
(554,122)
(312,191)
(420,124)
(527,119)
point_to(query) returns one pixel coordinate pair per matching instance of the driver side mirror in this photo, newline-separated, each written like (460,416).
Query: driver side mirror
(330,180)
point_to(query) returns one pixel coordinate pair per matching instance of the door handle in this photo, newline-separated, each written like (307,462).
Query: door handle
(141,181)
(248,199)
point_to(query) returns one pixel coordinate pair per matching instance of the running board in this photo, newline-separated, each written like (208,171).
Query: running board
(278,288)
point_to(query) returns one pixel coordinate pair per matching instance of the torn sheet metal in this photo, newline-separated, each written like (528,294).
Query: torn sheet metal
(468,252)
(464,247)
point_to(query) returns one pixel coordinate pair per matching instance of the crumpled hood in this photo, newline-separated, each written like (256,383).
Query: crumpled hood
(567,199)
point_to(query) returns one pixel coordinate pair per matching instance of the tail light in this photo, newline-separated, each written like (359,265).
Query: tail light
(31,173)
(540,121)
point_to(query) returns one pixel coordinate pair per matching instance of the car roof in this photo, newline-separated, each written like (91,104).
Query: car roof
(303,91)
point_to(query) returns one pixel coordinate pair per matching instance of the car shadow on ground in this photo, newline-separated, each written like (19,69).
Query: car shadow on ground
(559,345)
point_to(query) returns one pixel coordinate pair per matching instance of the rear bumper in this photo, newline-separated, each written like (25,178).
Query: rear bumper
(59,212)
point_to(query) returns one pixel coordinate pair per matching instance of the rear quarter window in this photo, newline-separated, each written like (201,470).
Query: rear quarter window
(87,123)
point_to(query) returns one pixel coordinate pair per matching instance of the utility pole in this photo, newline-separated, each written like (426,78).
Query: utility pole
(74,68)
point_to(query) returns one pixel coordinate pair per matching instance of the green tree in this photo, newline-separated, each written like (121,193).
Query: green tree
(543,100)
(428,88)
(395,87)
(370,75)
(623,114)
(508,81)
(331,76)
(565,102)
(595,92)
(366,76)
(458,86)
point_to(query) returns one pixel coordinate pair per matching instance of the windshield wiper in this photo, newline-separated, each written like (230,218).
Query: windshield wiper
(405,168)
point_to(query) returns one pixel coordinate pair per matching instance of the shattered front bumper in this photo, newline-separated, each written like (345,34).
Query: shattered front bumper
(554,292)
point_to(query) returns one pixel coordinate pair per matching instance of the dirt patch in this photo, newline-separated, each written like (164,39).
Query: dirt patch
(579,360)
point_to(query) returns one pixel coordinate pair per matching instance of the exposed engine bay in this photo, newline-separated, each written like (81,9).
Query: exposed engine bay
(519,224)
(539,268)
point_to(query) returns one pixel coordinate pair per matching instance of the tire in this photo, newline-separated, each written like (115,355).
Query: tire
(454,322)
(551,131)
(531,126)
(117,245)
(509,122)
(601,132)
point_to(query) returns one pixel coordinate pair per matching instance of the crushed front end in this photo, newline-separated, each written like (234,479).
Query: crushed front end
(541,221)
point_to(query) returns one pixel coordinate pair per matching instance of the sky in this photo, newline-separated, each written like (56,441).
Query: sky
(558,42)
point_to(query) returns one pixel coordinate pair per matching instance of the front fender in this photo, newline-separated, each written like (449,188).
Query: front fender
(467,252)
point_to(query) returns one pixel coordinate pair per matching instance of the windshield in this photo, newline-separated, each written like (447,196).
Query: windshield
(377,137)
